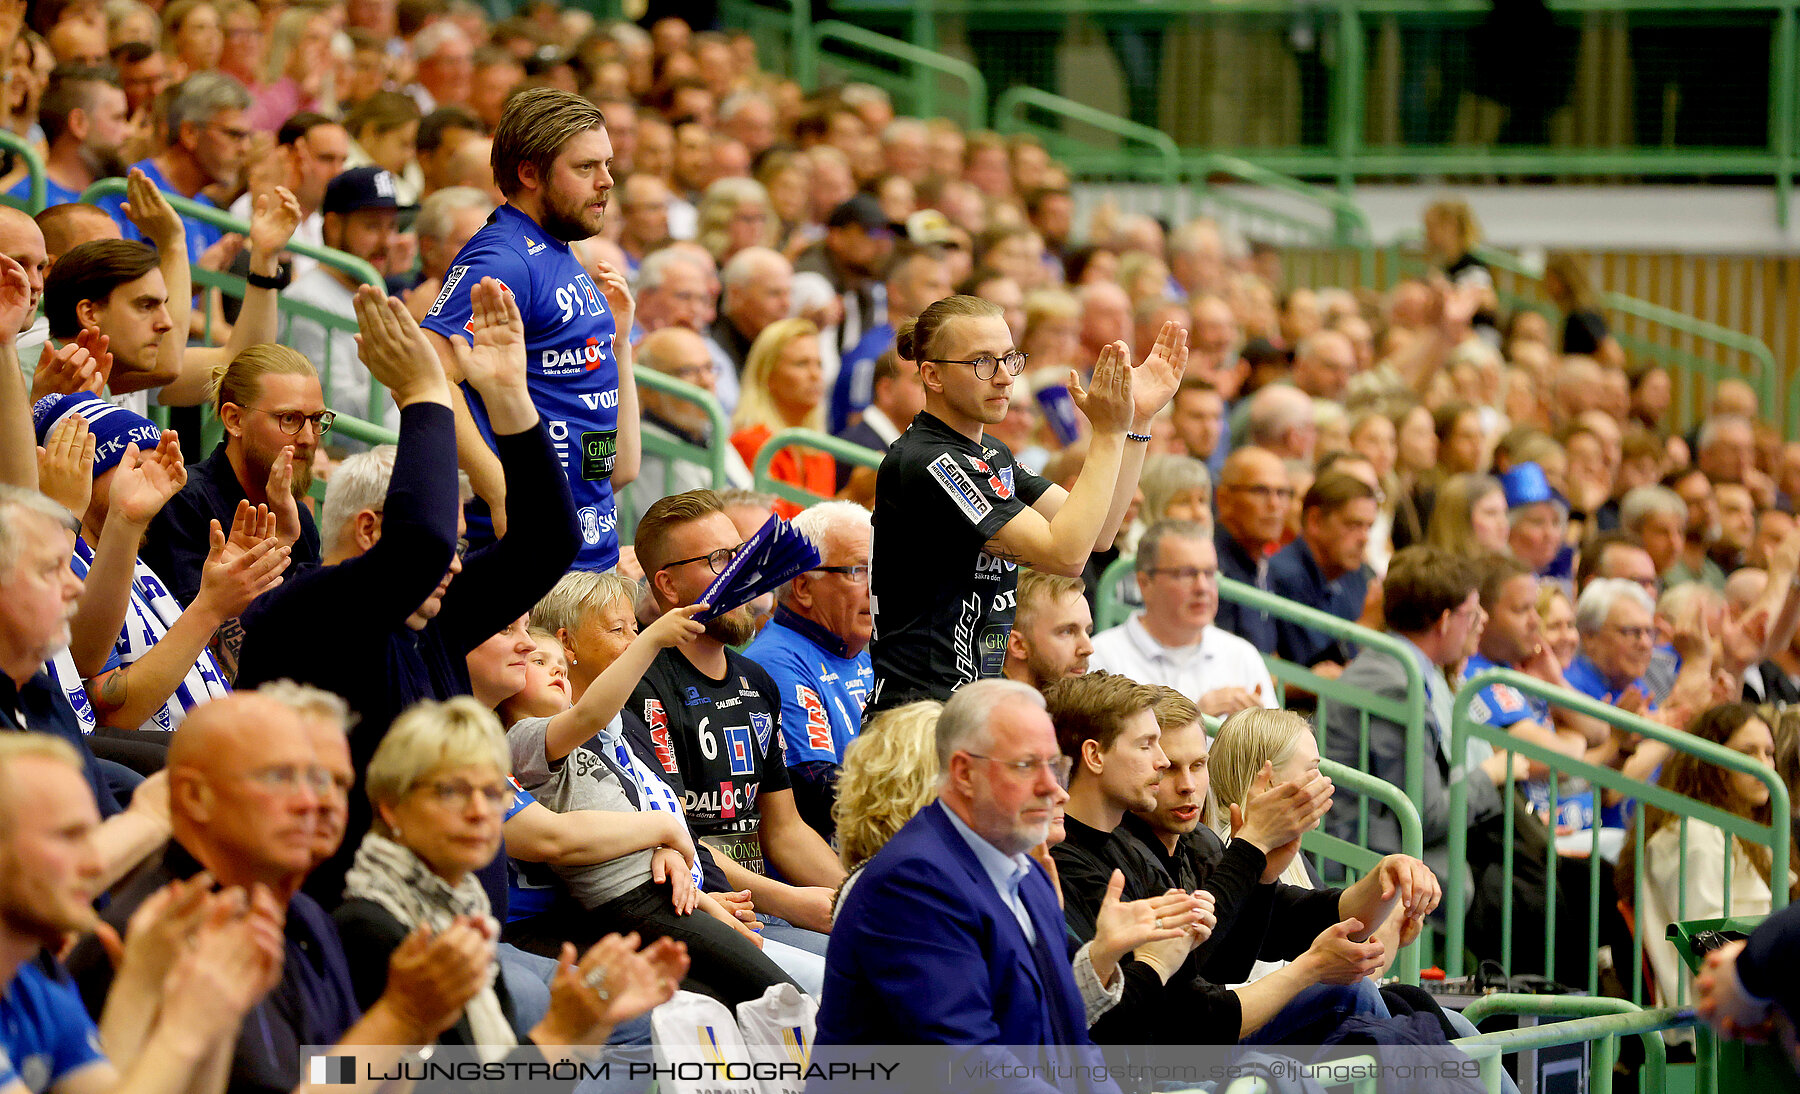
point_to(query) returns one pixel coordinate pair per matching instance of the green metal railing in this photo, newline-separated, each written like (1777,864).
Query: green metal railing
(926,65)
(674,452)
(783,439)
(1163,166)
(1764,374)
(1408,712)
(34,170)
(363,426)
(1601,1022)
(1562,769)
(1360,859)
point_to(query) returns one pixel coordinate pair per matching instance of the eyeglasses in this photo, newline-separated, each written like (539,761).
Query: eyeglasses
(1186,573)
(291,421)
(459,795)
(1261,491)
(1635,634)
(292,778)
(718,559)
(987,364)
(858,574)
(1059,766)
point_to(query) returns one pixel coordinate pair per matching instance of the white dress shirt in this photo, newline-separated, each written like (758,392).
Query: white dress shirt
(1219,660)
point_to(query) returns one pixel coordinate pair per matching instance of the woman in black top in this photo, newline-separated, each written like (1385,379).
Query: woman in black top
(1584,328)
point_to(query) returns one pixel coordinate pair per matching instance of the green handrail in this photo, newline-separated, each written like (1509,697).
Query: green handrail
(355,427)
(1007,119)
(834,447)
(1465,727)
(1361,859)
(1349,219)
(1764,375)
(1596,1019)
(34,169)
(673,451)
(923,62)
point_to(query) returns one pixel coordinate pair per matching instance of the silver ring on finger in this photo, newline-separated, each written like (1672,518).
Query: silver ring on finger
(596,980)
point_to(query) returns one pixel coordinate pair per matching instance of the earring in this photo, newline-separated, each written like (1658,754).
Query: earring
(574,660)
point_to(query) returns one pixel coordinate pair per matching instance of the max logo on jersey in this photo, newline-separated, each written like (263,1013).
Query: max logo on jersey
(658,721)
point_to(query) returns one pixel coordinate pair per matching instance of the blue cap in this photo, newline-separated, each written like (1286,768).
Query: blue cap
(113,426)
(1526,484)
(360,188)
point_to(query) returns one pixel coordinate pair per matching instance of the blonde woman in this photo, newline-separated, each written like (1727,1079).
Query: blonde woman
(890,772)
(1469,517)
(1584,327)
(1451,235)
(294,77)
(784,387)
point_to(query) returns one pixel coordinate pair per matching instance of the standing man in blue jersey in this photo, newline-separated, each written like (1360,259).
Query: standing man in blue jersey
(552,160)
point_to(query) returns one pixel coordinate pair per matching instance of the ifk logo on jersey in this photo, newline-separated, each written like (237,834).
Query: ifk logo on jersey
(763,725)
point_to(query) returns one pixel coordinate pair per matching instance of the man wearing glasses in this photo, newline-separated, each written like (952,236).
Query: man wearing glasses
(816,649)
(955,516)
(1173,640)
(1253,499)
(274,416)
(208,137)
(710,717)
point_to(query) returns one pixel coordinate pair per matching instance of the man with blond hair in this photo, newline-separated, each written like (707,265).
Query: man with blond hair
(1053,630)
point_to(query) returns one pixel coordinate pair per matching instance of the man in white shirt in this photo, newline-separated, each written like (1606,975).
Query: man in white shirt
(1172,641)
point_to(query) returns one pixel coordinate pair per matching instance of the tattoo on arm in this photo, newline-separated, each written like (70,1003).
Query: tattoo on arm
(995,550)
(113,689)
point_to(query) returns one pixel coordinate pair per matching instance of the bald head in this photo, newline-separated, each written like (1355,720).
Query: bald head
(245,783)
(683,354)
(21,241)
(69,225)
(1323,364)
(1734,397)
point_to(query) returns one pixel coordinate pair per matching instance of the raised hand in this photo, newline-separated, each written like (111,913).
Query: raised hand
(617,290)
(280,491)
(230,581)
(15,299)
(1107,403)
(151,213)
(222,253)
(497,356)
(1277,815)
(1160,373)
(394,349)
(81,365)
(273,220)
(675,627)
(145,481)
(66,464)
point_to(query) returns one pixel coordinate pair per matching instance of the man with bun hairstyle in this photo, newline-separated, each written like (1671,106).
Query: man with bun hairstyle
(955,516)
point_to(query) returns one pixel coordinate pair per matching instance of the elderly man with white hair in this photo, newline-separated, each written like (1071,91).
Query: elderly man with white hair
(1280,419)
(817,650)
(758,288)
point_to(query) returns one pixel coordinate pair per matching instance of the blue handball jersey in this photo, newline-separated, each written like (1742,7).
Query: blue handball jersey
(573,375)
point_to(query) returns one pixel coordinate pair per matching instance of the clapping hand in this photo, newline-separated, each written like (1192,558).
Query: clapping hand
(394,349)
(272,222)
(279,489)
(617,291)
(15,299)
(496,356)
(66,464)
(232,578)
(1107,402)
(145,481)
(81,365)
(1160,372)
(151,213)
(431,976)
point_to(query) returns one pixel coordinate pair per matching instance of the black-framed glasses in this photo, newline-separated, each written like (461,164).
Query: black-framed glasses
(718,559)
(1262,491)
(858,573)
(987,364)
(291,421)
(458,794)
(1059,766)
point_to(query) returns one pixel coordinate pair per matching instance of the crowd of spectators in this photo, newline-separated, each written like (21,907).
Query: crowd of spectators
(397,766)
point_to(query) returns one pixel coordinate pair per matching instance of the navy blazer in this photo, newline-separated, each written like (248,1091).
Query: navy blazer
(924,951)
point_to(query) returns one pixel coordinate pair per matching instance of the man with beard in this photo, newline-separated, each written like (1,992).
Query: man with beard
(207,139)
(310,150)
(551,161)
(85,126)
(361,216)
(1053,630)
(713,716)
(274,418)
(859,237)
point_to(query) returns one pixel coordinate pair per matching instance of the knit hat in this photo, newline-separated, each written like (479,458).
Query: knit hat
(113,426)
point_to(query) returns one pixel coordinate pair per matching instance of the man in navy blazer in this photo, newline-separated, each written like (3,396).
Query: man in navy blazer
(952,934)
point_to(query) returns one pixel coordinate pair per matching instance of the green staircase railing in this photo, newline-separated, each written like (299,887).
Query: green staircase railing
(782,439)
(920,89)
(34,171)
